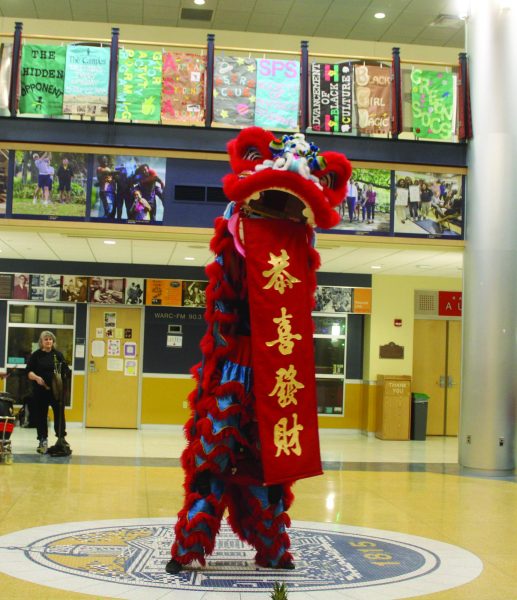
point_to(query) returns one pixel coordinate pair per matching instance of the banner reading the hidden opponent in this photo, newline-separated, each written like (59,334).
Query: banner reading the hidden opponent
(86,80)
(183,90)
(280,298)
(278,94)
(139,85)
(331,97)
(372,96)
(235,85)
(42,77)
(433,104)
(6,57)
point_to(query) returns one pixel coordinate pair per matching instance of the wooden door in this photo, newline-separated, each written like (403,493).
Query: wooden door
(114,354)
(429,356)
(452,410)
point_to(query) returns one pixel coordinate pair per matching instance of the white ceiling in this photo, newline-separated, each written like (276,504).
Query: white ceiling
(421,22)
(339,254)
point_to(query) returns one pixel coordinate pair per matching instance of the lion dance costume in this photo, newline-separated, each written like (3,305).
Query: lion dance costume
(253,427)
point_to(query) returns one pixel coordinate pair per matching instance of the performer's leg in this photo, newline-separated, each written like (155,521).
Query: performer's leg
(258,516)
(198,521)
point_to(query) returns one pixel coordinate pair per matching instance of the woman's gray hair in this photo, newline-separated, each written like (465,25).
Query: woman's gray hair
(45,334)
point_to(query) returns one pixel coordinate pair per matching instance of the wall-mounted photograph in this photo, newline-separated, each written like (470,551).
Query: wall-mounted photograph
(106,290)
(128,188)
(74,289)
(135,291)
(45,287)
(194,293)
(366,207)
(428,204)
(333,299)
(49,183)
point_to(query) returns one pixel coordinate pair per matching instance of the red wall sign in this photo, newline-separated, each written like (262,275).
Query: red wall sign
(449,304)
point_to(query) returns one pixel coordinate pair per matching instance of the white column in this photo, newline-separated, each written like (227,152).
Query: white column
(489,388)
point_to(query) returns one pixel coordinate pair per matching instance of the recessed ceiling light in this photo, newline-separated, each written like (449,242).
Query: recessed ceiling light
(376,266)
(189,258)
(380,15)
(423,266)
(110,242)
(200,2)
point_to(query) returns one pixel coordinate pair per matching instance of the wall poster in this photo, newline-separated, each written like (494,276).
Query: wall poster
(128,187)
(235,89)
(49,184)
(331,97)
(278,94)
(183,91)
(163,292)
(372,95)
(428,204)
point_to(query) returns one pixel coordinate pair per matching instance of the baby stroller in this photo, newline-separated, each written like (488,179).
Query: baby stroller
(7,419)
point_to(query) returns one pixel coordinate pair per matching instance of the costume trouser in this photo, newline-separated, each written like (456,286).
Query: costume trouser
(257,513)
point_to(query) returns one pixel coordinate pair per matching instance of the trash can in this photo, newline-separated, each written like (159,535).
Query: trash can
(419,404)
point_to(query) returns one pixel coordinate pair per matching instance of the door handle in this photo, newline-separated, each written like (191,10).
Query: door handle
(450,382)
(91,367)
(442,382)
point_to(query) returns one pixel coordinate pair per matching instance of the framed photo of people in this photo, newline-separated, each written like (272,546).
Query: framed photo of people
(366,206)
(428,204)
(333,299)
(128,188)
(45,288)
(50,184)
(106,290)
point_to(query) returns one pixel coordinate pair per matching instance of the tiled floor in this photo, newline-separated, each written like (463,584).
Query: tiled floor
(412,488)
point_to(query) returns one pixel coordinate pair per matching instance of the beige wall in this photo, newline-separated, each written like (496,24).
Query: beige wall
(393,298)
(187,36)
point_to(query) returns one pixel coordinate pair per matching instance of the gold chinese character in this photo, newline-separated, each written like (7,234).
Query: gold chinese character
(286,386)
(285,337)
(280,278)
(287,440)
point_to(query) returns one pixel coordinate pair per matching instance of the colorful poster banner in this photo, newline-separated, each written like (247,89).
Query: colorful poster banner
(433,104)
(362,303)
(278,94)
(139,85)
(4,159)
(183,89)
(235,84)
(86,80)
(331,97)
(42,77)
(372,96)
(6,55)
(284,386)
(163,292)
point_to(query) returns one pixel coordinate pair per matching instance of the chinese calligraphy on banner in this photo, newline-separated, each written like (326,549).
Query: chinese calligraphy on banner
(183,93)
(86,80)
(278,94)
(331,97)
(433,104)
(372,93)
(139,85)
(235,83)
(279,286)
(42,78)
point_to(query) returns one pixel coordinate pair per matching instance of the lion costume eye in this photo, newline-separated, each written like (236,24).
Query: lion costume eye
(328,180)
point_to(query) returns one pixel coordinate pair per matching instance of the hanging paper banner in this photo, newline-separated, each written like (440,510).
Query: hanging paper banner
(86,80)
(372,95)
(280,297)
(278,94)
(42,77)
(183,91)
(235,84)
(6,57)
(139,85)
(433,104)
(331,97)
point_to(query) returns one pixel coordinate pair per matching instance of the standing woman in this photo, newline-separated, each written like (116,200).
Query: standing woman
(42,365)
(371,199)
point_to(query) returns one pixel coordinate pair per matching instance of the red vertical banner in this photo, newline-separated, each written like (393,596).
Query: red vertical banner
(279,288)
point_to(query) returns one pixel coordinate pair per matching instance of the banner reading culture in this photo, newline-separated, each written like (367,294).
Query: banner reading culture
(331,97)
(42,78)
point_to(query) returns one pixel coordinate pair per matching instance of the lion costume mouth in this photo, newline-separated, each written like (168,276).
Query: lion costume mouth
(285,178)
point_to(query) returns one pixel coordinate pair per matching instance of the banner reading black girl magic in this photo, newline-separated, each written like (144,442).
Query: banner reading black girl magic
(331,94)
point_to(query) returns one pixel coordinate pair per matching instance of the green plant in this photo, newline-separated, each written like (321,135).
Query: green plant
(279,591)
